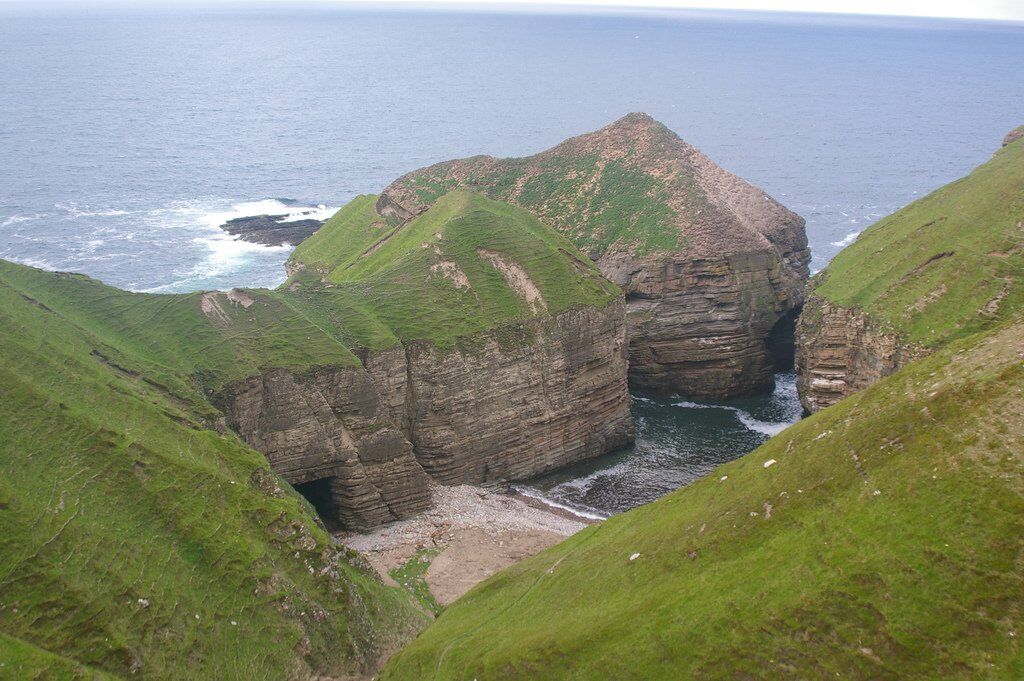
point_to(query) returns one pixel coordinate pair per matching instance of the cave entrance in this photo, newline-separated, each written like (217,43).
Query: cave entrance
(318,493)
(781,341)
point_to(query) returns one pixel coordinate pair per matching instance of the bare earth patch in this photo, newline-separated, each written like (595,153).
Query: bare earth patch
(480,532)
(450,270)
(517,279)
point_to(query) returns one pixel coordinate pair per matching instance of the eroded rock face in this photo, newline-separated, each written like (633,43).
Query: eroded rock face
(515,403)
(504,405)
(708,262)
(331,426)
(840,351)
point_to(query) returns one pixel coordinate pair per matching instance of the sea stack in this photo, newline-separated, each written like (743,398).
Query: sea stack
(713,268)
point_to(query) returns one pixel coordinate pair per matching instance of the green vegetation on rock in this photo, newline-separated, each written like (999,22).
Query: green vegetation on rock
(136,537)
(467,265)
(947,265)
(879,538)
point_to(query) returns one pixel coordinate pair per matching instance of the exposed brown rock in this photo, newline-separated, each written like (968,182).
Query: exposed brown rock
(700,311)
(330,426)
(840,351)
(504,405)
(508,408)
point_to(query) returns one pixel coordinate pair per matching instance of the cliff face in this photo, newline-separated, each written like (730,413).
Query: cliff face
(522,401)
(327,433)
(940,269)
(840,352)
(505,405)
(486,348)
(708,262)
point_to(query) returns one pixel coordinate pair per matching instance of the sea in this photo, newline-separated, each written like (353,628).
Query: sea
(129,134)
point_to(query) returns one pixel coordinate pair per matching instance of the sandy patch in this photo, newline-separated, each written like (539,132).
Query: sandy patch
(480,532)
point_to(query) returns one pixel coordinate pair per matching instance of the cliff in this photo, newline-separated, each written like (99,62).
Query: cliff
(944,267)
(879,538)
(709,264)
(494,346)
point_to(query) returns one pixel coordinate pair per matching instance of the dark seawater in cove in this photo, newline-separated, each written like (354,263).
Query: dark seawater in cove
(128,136)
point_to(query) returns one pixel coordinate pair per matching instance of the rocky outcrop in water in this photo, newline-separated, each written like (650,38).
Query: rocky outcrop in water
(271,230)
(710,264)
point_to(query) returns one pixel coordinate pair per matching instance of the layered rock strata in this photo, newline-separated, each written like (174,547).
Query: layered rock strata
(840,351)
(512,404)
(504,405)
(709,263)
(328,428)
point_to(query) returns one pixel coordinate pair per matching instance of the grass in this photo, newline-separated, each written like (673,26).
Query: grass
(944,267)
(429,279)
(134,539)
(411,576)
(598,201)
(885,542)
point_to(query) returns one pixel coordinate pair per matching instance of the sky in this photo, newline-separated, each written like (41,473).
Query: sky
(962,9)
(1012,10)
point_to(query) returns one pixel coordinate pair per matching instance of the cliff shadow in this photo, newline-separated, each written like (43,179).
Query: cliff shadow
(781,341)
(318,494)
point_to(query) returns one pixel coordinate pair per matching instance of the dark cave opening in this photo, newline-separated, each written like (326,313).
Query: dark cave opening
(781,341)
(318,493)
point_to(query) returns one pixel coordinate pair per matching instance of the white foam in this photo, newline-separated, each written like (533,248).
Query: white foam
(248,209)
(74,211)
(846,240)
(33,262)
(590,514)
(15,219)
(785,390)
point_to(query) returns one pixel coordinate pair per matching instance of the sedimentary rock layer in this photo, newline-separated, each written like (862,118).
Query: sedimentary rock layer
(514,403)
(840,352)
(709,263)
(504,405)
(940,269)
(328,425)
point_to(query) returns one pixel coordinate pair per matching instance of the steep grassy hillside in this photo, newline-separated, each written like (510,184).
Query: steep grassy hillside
(466,265)
(880,538)
(134,539)
(945,266)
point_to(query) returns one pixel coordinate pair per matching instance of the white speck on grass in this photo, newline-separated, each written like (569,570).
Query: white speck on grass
(634,557)
(769,462)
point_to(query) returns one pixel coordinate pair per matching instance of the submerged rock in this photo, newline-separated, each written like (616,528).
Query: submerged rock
(271,230)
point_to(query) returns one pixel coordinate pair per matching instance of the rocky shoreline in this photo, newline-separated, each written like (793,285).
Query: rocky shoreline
(477,531)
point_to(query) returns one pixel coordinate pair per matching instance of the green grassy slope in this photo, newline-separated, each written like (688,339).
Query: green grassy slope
(885,542)
(945,266)
(170,335)
(433,278)
(133,539)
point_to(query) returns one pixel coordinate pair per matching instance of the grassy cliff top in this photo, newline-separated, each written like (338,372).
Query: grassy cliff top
(467,264)
(214,337)
(879,538)
(633,186)
(136,541)
(945,266)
